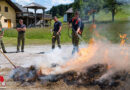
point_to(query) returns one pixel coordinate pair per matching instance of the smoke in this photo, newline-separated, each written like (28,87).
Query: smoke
(101,51)
(61,60)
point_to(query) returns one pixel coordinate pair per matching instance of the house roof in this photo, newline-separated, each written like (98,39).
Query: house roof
(12,5)
(34,6)
(70,10)
(21,7)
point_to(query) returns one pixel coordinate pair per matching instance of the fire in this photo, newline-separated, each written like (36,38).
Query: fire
(91,41)
(92,27)
(124,51)
(122,43)
(96,33)
(45,70)
(84,56)
(106,59)
(123,39)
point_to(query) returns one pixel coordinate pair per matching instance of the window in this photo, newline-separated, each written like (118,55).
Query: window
(6,9)
(5,20)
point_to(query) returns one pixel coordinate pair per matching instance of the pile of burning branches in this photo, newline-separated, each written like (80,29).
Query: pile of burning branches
(91,76)
(100,74)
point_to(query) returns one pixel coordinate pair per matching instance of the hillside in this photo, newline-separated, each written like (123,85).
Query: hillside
(122,15)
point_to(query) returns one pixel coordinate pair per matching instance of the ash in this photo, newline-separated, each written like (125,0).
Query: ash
(90,76)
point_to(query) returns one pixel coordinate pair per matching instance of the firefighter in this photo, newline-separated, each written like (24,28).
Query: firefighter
(1,36)
(56,33)
(77,29)
(21,29)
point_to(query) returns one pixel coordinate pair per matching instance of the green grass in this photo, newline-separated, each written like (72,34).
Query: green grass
(122,15)
(35,36)
(9,41)
(110,31)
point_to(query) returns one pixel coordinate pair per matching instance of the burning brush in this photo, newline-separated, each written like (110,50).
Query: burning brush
(75,72)
(24,74)
(92,75)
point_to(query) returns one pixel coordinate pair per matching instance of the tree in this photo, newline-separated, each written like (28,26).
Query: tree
(77,4)
(88,6)
(112,6)
(94,6)
(59,10)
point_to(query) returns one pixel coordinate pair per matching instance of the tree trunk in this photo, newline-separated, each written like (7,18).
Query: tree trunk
(113,15)
(93,17)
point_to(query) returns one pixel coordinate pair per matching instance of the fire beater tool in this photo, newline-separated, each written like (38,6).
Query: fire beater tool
(76,34)
(8,59)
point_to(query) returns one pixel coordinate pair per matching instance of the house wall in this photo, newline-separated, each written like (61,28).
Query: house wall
(11,15)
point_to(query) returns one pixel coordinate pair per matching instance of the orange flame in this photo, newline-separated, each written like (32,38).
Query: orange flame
(84,55)
(45,70)
(124,51)
(123,39)
(92,27)
(106,59)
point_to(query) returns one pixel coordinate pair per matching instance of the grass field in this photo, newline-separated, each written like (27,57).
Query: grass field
(122,15)
(106,29)
(109,31)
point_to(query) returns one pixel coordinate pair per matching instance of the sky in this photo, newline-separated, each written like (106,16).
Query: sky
(46,3)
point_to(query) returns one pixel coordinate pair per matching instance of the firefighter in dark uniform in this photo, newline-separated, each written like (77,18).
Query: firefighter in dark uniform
(56,33)
(76,30)
(21,28)
(1,41)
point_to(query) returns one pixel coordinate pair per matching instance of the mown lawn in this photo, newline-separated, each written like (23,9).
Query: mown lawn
(122,15)
(110,31)
(35,36)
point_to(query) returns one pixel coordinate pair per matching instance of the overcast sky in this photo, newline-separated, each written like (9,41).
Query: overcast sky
(46,3)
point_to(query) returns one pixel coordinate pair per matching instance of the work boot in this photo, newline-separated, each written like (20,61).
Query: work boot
(22,50)
(53,47)
(17,51)
(59,46)
(73,51)
(76,48)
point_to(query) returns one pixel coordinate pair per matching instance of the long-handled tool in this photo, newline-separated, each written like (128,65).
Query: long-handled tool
(8,59)
(76,34)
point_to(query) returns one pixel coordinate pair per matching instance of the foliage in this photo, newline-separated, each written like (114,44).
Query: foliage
(113,6)
(59,10)
(77,5)
(88,6)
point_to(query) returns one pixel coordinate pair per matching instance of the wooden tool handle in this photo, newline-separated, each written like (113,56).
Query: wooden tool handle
(8,59)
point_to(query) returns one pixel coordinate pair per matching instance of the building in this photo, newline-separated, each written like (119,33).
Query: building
(40,19)
(69,14)
(8,12)
(28,17)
